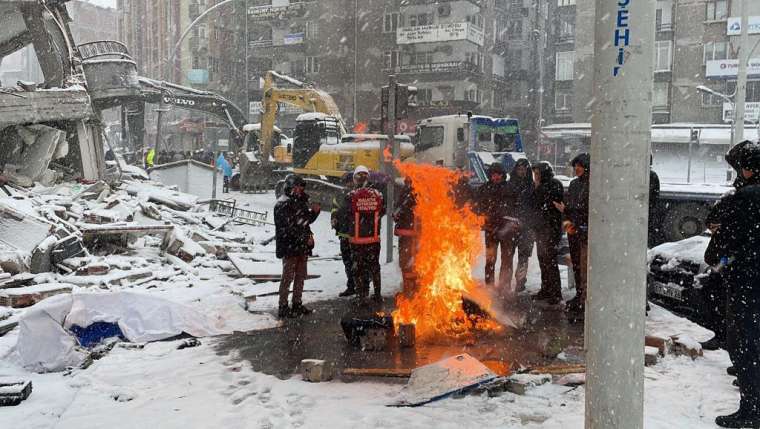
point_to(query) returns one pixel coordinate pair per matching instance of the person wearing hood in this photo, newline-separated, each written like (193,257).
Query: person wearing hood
(340,219)
(575,223)
(548,230)
(520,194)
(740,258)
(294,241)
(491,202)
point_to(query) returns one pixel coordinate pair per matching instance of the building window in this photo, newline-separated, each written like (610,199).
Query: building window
(664,17)
(476,20)
(563,101)
(391,59)
(565,68)
(663,56)
(565,2)
(391,21)
(472,95)
(424,96)
(312,30)
(421,19)
(716,10)
(311,65)
(514,29)
(566,27)
(421,58)
(715,51)
(661,95)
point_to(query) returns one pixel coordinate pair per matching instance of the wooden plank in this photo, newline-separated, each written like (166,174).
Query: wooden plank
(558,369)
(378,372)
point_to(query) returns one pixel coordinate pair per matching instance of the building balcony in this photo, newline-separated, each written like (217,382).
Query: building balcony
(443,67)
(440,33)
(566,38)
(664,27)
(260,44)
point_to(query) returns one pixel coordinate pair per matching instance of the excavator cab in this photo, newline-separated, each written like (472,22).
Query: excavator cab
(312,131)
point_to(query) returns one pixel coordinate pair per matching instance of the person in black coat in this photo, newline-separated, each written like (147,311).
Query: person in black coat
(740,253)
(520,194)
(500,229)
(655,233)
(548,230)
(575,212)
(340,219)
(292,216)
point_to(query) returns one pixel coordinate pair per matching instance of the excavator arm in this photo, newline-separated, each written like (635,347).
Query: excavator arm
(304,97)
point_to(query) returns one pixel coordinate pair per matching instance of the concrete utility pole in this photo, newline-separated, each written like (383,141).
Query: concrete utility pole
(390,190)
(741,78)
(620,147)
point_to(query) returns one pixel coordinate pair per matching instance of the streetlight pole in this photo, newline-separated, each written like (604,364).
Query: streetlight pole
(741,79)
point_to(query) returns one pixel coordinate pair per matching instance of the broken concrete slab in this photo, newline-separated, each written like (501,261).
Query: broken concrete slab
(684,345)
(442,379)
(520,384)
(572,380)
(28,162)
(316,370)
(13,392)
(30,295)
(182,246)
(663,344)
(651,355)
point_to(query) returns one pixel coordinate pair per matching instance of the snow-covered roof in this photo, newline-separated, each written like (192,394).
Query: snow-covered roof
(719,134)
(256,127)
(313,116)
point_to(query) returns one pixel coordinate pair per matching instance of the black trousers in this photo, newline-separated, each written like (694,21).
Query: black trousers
(507,246)
(547,244)
(366,258)
(579,256)
(743,333)
(348,262)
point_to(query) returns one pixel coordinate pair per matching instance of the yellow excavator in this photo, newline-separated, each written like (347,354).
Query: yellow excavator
(321,147)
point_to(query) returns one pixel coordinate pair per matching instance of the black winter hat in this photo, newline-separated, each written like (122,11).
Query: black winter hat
(583,159)
(291,182)
(750,158)
(737,153)
(496,167)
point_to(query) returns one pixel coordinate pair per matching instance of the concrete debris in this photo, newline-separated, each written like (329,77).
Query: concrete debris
(13,392)
(316,370)
(30,295)
(182,246)
(664,345)
(572,380)
(190,342)
(651,355)
(520,384)
(683,345)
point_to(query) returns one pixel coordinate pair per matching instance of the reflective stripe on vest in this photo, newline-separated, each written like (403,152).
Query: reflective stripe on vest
(358,239)
(399,232)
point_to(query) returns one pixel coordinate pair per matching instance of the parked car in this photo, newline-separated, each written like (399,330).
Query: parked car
(679,279)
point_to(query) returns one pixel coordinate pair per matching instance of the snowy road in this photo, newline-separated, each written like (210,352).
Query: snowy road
(161,386)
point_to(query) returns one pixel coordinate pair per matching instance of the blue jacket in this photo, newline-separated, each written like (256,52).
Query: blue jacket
(222,164)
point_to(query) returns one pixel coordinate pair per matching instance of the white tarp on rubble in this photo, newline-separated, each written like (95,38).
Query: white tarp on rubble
(45,344)
(443,378)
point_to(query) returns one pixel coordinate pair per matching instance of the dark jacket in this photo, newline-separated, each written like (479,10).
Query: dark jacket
(740,225)
(491,203)
(654,189)
(340,216)
(576,204)
(550,190)
(403,215)
(520,194)
(366,208)
(292,217)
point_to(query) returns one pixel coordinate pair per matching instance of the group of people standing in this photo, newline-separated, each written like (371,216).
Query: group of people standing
(531,208)
(356,219)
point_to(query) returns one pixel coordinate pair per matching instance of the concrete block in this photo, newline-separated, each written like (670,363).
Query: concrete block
(651,355)
(520,384)
(663,344)
(683,345)
(316,370)
(13,392)
(30,295)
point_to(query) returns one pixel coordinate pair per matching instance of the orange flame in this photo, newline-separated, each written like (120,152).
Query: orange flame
(360,128)
(449,244)
(387,154)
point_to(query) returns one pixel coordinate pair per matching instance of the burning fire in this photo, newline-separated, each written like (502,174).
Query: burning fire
(449,244)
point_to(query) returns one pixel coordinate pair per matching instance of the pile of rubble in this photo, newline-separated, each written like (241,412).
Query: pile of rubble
(76,237)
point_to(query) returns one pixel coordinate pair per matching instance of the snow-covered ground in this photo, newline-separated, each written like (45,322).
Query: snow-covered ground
(161,386)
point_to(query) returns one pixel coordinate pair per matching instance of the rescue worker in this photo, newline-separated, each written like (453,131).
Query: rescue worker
(294,241)
(367,207)
(548,231)
(500,231)
(405,228)
(740,226)
(521,191)
(149,158)
(340,218)
(575,213)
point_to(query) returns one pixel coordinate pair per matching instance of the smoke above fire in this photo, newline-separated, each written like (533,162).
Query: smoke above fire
(449,243)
